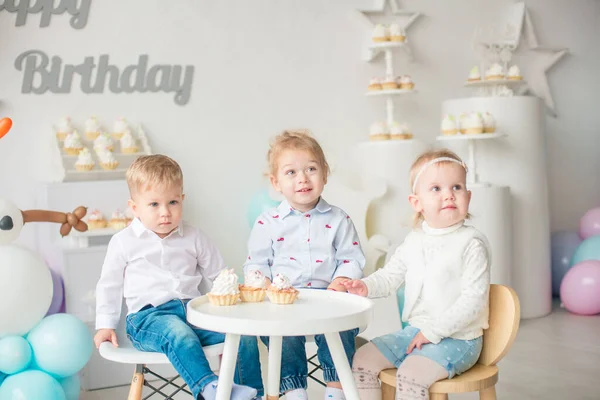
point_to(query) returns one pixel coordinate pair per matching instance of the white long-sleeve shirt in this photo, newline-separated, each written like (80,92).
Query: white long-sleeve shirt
(447,277)
(146,269)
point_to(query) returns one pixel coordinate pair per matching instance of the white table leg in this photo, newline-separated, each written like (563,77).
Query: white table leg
(227,370)
(274,367)
(341,365)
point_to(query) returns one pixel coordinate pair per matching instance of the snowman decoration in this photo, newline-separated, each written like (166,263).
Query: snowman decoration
(39,357)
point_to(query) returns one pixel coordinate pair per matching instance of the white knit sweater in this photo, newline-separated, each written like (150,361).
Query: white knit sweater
(447,277)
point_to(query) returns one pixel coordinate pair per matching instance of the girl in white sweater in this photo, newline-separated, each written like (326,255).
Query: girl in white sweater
(445,266)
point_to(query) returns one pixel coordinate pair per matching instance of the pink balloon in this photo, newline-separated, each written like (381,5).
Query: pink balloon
(589,225)
(580,288)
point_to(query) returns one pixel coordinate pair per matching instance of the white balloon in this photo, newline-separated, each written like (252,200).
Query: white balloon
(11,221)
(25,290)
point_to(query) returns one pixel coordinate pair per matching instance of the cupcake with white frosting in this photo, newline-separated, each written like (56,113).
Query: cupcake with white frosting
(380,33)
(405,82)
(63,128)
(92,128)
(514,73)
(118,220)
(400,131)
(254,288)
(103,143)
(107,160)
(495,71)
(84,162)
(73,144)
(472,124)
(389,83)
(374,84)
(281,290)
(225,289)
(379,131)
(119,128)
(95,220)
(474,75)
(128,144)
(449,125)
(397,34)
(489,123)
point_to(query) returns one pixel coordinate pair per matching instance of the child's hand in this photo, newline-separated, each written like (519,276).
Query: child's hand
(418,341)
(338,285)
(356,286)
(105,335)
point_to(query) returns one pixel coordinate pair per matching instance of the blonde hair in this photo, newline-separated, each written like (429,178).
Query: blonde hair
(297,140)
(421,161)
(152,171)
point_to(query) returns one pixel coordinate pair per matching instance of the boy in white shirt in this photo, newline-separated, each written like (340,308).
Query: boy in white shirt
(445,266)
(157,263)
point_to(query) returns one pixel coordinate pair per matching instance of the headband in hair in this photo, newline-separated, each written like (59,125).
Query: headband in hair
(431,162)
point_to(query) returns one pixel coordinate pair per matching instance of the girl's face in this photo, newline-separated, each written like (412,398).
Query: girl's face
(300,178)
(441,195)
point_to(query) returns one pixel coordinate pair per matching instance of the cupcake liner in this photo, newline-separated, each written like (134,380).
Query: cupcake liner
(282,296)
(252,295)
(223,299)
(84,167)
(96,224)
(110,165)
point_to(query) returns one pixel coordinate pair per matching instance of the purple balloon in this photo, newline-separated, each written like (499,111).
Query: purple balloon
(58,293)
(563,245)
(589,225)
(580,288)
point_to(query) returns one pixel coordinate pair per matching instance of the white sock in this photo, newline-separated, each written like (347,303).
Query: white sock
(238,392)
(296,394)
(334,394)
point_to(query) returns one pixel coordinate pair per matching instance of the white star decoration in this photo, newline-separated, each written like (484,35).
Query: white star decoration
(380,11)
(546,57)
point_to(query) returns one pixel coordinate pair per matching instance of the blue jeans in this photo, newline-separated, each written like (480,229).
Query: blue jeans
(164,329)
(294,364)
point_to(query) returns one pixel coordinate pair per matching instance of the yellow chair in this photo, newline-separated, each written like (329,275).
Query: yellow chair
(505,313)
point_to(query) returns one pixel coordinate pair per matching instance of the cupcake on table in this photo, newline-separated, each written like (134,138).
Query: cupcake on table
(84,162)
(379,131)
(225,290)
(281,290)
(489,123)
(63,128)
(92,128)
(73,144)
(389,83)
(254,288)
(472,123)
(400,131)
(119,128)
(95,220)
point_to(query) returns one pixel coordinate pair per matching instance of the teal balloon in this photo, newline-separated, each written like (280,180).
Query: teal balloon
(2,378)
(589,249)
(15,354)
(400,296)
(61,344)
(31,385)
(259,203)
(72,386)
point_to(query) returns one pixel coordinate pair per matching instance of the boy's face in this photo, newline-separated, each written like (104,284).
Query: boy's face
(441,195)
(159,208)
(300,178)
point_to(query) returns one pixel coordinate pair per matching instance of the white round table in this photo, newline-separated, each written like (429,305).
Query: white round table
(314,312)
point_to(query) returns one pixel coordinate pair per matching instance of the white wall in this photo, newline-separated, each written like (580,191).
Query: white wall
(262,66)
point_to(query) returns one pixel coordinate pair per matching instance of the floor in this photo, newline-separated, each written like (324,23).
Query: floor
(554,357)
